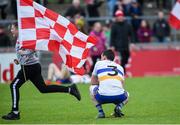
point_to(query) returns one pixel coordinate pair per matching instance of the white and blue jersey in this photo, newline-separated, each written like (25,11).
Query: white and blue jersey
(110,76)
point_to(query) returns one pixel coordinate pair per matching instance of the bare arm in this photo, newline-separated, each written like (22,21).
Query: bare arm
(122,84)
(94,80)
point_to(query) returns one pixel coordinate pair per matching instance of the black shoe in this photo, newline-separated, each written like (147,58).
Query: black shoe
(11,116)
(100,115)
(75,92)
(117,113)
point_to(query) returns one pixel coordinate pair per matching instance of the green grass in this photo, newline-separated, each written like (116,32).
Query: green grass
(152,100)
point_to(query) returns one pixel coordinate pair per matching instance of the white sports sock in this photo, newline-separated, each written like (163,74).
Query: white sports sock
(16,112)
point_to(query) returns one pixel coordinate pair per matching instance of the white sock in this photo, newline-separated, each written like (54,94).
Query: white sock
(16,112)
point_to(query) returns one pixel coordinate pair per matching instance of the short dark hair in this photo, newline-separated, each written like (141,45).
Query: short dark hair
(109,54)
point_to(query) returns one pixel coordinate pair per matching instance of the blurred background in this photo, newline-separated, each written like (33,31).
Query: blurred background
(154,49)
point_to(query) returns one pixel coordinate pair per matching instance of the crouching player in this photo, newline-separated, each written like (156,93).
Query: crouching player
(107,85)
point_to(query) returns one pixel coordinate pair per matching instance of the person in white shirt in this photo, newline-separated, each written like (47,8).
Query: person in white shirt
(107,85)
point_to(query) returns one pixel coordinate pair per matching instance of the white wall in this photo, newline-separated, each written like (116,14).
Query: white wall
(8,69)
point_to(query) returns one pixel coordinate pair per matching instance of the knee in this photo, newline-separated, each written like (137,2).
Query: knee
(42,89)
(14,84)
(51,65)
(93,89)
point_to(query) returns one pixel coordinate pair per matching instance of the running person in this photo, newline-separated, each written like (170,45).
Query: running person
(107,85)
(31,70)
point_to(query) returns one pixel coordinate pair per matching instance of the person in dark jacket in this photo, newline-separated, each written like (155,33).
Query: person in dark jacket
(92,9)
(75,9)
(164,3)
(161,28)
(3,6)
(14,8)
(121,35)
(4,38)
(136,12)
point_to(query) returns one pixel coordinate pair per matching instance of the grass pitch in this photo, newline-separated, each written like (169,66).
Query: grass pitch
(152,100)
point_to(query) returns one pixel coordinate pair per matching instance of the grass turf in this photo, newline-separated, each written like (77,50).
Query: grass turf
(152,100)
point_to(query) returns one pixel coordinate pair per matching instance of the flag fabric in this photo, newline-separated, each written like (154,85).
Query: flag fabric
(174,18)
(42,29)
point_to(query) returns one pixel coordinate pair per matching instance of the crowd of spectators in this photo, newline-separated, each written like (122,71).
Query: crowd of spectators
(143,31)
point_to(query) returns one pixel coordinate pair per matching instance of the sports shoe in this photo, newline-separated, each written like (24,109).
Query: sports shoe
(117,112)
(11,116)
(75,92)
(100,115)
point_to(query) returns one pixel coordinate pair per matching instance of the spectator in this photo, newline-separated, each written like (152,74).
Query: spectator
(141,3)
(80,23)
(3,5)
(136,12)
(60,1)
(42,2)
(61,75)
(4,38)
(75,9)
(92,8)
(14,8)
(161,28)
(118,6)
(107,32)
(144,32)
(57,72)
(121,35)
(163,3)
(111,5)
(123,5)
(97,50)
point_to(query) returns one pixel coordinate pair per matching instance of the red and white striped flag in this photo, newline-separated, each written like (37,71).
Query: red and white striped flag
(174,18)
(43,29)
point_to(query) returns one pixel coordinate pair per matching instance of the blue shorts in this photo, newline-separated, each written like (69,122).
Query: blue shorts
(117,99)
